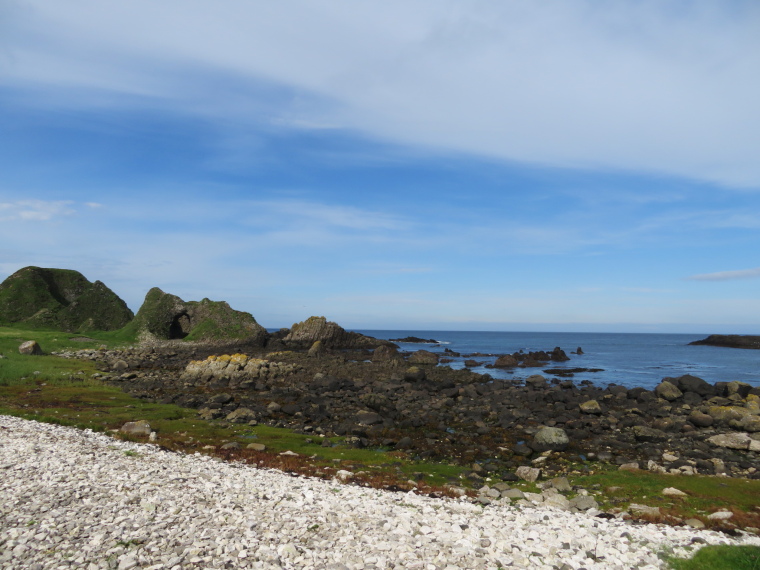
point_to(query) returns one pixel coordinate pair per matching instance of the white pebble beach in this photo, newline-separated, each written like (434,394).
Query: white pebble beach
(77,499)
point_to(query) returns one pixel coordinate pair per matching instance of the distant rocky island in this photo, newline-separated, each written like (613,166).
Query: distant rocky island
(416,340)
(730,341)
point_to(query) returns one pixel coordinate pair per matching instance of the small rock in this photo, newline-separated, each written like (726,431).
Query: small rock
(139,428)
(673,492)
(561,484)
(591,407)
(644,510)
(530,474)
(668,391)
(583,503)
(256,446)
(720,516)
(550,438)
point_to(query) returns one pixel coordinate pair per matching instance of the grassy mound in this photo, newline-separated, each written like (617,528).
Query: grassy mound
(163,316)
(62,299)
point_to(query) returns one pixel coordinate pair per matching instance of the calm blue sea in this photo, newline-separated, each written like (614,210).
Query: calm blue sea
(627,359)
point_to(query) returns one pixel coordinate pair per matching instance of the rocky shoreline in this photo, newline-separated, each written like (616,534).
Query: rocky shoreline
(77,499)
(405,402)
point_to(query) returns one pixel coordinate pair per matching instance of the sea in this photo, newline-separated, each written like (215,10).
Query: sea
(627,359)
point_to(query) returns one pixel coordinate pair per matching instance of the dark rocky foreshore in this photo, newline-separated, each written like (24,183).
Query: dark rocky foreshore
(377,398)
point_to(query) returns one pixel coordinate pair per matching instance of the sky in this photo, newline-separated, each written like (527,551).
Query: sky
(565,165)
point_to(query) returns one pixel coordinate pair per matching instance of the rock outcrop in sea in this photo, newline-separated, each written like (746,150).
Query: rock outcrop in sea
(730,341)
(60,299)
(330,334)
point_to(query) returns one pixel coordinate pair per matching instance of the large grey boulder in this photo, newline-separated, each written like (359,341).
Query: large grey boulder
(423,357)
(526,473)
(689,383)
(647,434)
(550,439)
(30,347)
(738,440)
(140,428)
(386,353)
(505,361)
(700,419)
(668,391)
(591,407)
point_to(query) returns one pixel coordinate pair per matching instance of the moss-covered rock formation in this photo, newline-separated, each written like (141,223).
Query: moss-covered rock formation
(164,317)
(60,299)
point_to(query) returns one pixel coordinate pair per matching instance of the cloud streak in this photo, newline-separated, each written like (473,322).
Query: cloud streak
(753,273)
(623,85)
(35,210)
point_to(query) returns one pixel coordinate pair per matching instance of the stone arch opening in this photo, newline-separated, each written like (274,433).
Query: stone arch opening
(180,327)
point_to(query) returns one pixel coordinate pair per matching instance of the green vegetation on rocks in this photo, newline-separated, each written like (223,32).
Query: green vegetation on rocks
(163,316)
(62,299)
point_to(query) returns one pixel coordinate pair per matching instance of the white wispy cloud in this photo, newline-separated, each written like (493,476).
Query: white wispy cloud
(753,273)
(35,210)
(625,85)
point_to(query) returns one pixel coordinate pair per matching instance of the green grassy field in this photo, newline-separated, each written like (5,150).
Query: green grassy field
(68,392)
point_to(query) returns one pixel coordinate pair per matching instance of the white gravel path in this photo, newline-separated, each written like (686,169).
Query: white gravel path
(77,499)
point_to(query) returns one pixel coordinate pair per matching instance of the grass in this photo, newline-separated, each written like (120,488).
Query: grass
(720,558)
(66,392)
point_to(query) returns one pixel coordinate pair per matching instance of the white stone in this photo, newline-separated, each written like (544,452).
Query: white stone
(720,516)
(87,496)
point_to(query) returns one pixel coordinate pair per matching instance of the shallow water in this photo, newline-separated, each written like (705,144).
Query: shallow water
(629,359)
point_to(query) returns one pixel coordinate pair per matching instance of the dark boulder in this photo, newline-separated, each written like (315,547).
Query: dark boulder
(423,357)
(689,383)
(505,361)
(385,353)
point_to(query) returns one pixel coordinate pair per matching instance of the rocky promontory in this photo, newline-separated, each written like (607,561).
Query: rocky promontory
(163,316)
(61,299)
(730,341)
(330,335)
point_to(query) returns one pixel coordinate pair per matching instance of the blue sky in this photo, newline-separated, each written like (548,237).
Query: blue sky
(482,165)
